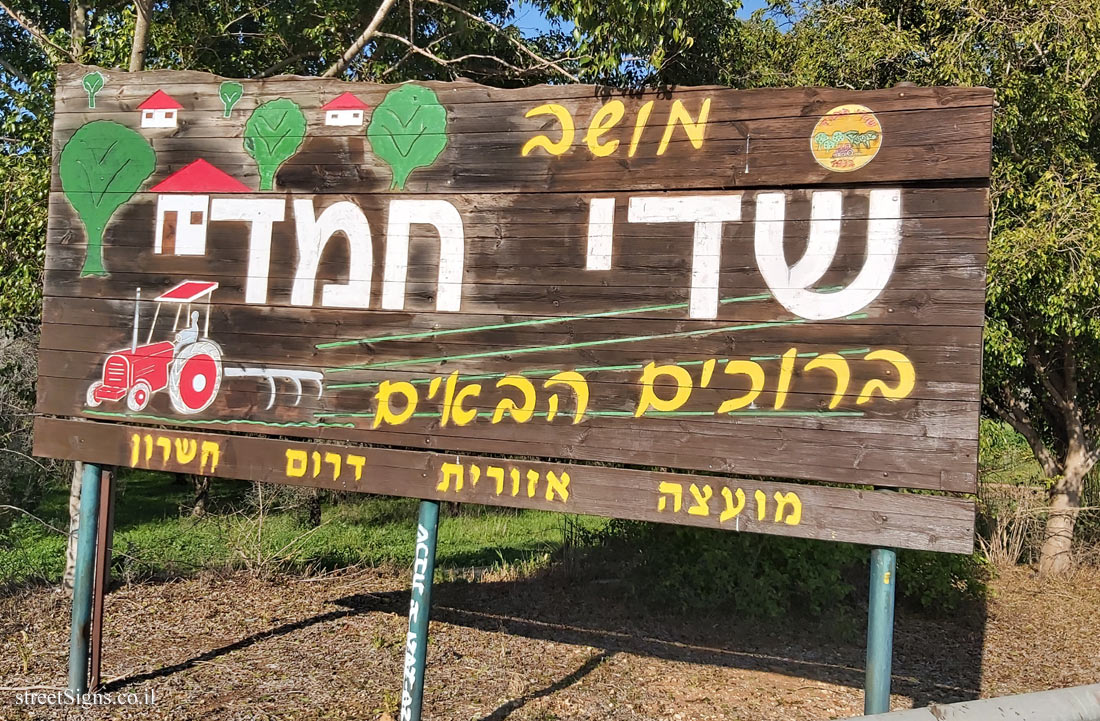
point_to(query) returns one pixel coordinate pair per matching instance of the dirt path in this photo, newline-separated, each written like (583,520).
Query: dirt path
(232,648)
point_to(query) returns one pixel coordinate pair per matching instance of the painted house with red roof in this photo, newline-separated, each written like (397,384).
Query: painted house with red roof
(183,207)
(159,110)
(344,109)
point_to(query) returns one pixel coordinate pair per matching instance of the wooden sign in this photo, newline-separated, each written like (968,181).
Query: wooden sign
(432,285)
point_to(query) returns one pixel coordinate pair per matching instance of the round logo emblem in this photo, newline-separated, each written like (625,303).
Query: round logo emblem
(846,138)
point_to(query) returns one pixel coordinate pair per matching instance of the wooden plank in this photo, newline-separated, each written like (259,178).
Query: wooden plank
(855,516)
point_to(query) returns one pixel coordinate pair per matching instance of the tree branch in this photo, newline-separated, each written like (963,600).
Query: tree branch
(36,33)
(360,42)
(1013,412)
(545,62)
(442,61)
(14,72)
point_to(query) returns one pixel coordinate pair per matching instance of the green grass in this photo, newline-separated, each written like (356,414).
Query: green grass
(155,536)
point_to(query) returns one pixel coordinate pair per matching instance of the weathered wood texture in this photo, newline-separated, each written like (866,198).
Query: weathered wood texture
(686,279)
(889,518)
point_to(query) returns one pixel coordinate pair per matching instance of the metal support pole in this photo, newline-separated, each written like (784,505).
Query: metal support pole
(416,643)
(102,573)
(82,579)
(880,631)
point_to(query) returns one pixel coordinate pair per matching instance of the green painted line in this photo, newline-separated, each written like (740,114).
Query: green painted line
(218,421)
(762,412)
(850,351)
(582,344)
(528,323)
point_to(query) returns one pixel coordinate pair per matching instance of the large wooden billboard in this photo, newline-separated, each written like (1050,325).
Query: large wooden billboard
(444,290)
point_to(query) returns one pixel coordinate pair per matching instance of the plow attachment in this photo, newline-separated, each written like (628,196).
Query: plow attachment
(295,377)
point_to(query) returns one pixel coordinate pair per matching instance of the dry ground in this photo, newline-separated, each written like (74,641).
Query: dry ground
(553,647)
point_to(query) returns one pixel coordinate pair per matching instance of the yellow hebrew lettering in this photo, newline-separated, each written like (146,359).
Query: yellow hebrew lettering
(513,473)
(732,509)
(906,377)
(148,447)
(450,470)
(702,500)
(520,414)
(498,473)
(384,413)
(839,367)
(433,387)
(786,370)
(165,447)
(761,504)
(532,482)
(186,448)
(695,129)
(755,373)
(356,462)
(541,141)
(785,500)
(708,371)
(135,449)
(650,399)
(296,463)
(670,489)
(639,126)
(579,385)
(463,416)
(333,459)
(557,485)
(606,118)
(211,451)
(316,456)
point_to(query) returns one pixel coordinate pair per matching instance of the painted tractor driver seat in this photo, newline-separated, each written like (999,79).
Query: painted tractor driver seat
(190,334)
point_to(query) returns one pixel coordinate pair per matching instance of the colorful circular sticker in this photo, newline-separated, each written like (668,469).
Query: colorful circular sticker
(846,138)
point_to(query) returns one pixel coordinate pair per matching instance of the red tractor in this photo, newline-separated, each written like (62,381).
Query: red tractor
(189,366)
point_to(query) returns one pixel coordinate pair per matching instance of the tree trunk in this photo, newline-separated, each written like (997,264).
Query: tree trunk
(202,495)
(313,506)
(1056,556)
(74,527)
(142,10)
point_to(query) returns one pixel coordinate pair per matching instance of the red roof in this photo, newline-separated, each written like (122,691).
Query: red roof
(200,177)
(188,291)
(345,101)
(160,100)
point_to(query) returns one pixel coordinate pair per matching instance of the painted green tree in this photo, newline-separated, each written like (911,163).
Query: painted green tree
(93,83)
(101,167)
(230,93)
(408,130)
(274,132)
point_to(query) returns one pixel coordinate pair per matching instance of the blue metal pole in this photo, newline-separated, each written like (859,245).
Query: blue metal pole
(83,578)
(416,643)
(880,631)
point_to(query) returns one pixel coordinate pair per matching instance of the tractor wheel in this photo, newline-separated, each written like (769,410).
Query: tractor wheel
(139,395)
(195,376)
(90,400)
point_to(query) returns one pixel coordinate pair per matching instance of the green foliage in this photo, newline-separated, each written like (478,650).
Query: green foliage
(155,535)
(408,130)
(752,575)
(93,83)
(101,167)
(273,133)
(230,93)
(941,583)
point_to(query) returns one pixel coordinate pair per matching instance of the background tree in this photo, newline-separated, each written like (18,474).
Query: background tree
(1042,340)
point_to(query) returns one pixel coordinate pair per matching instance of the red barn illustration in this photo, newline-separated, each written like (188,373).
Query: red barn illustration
(344,109)
(183,207)
(159,110)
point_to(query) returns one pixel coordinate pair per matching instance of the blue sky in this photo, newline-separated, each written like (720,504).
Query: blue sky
(530,20)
